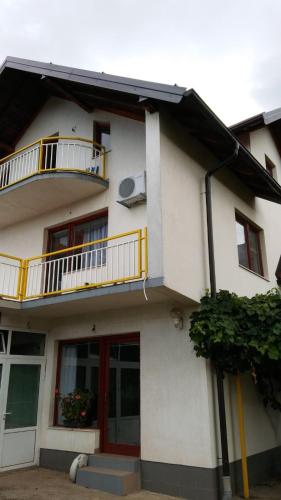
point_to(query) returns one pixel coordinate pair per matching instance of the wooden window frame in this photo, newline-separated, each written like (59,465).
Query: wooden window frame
(247,226)
(70,227)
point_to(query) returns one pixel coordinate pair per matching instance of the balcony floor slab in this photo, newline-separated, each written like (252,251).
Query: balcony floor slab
(44,192)
(101,299)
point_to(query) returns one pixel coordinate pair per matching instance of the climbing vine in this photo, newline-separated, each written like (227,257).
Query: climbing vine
(242,334)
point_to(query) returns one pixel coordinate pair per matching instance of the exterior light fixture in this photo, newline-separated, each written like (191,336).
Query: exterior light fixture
(177,315)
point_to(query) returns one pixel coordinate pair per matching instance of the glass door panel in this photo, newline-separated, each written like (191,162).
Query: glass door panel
(23,392)
(123,410)
(79,370)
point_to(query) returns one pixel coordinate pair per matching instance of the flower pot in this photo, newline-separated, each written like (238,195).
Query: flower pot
(71,423)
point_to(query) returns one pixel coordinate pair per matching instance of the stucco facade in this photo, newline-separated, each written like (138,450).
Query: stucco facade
(179,430)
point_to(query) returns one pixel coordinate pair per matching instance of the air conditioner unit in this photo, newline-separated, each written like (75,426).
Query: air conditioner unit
(132,190)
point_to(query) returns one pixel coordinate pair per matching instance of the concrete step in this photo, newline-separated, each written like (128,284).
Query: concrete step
(119,462)
(118,482)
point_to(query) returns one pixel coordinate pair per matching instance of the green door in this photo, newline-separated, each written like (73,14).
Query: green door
(19,431)
(23,392)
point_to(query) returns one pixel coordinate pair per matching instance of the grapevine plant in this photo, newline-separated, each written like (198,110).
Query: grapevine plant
(242,334)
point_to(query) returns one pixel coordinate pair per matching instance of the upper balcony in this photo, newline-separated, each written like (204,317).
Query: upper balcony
(48,174)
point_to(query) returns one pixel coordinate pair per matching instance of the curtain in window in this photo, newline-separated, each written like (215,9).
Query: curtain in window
(92,231)
(68,369)
(68,373)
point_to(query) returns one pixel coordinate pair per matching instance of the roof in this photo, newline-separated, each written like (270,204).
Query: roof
(169,93)
(26,85)
(270,119)
(257,121)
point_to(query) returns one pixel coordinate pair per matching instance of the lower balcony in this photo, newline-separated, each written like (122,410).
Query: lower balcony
(97,264)
(50,173)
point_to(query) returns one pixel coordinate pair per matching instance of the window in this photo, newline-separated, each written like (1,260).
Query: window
(78,232)
(102,134)
(27,344)
(270,167)
(70,235)
(79,369)
(248,244)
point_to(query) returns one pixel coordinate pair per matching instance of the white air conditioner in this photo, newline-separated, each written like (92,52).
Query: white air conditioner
(132,190)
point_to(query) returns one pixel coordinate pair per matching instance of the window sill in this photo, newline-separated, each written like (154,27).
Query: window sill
(254,273)
(77,429)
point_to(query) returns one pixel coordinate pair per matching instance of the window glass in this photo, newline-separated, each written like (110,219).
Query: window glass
(242,245)
(3,341)
(123,423)
(80,371)
(254,251)
(91,231)
(248,245)
(27,344)
(59,240)
(22,402)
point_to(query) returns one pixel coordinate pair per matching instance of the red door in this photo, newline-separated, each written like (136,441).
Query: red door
(120,391)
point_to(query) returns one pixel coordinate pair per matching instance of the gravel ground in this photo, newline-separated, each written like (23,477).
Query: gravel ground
(43,484)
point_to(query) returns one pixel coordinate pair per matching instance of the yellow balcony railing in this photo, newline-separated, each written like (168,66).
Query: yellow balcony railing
(53,154)
(116,259)
(10,276)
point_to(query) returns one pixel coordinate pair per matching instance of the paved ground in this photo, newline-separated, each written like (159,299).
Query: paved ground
(43,484)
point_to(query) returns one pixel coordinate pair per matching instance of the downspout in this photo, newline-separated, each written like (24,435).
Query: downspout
(227,492)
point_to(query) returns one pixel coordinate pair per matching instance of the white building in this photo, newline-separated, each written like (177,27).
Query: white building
(88,157)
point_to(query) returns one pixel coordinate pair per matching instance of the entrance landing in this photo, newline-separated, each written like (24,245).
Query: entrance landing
(115,474)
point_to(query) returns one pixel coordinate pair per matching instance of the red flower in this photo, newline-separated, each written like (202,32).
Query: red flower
(77,396)
(82,414)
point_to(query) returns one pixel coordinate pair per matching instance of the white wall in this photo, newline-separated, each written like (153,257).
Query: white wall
(261,144)
(178,400)
(183,163)
(183,168)
(262,425)
(127,157)
(175,424)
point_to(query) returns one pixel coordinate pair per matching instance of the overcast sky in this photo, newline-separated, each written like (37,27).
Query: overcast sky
(227,50)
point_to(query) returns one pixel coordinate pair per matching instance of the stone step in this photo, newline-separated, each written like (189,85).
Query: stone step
(119,462)
(118,482)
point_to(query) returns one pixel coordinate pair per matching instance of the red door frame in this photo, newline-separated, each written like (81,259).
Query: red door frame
(105,341)
(122,449)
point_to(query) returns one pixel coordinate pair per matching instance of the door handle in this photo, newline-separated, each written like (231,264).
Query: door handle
(5,414)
